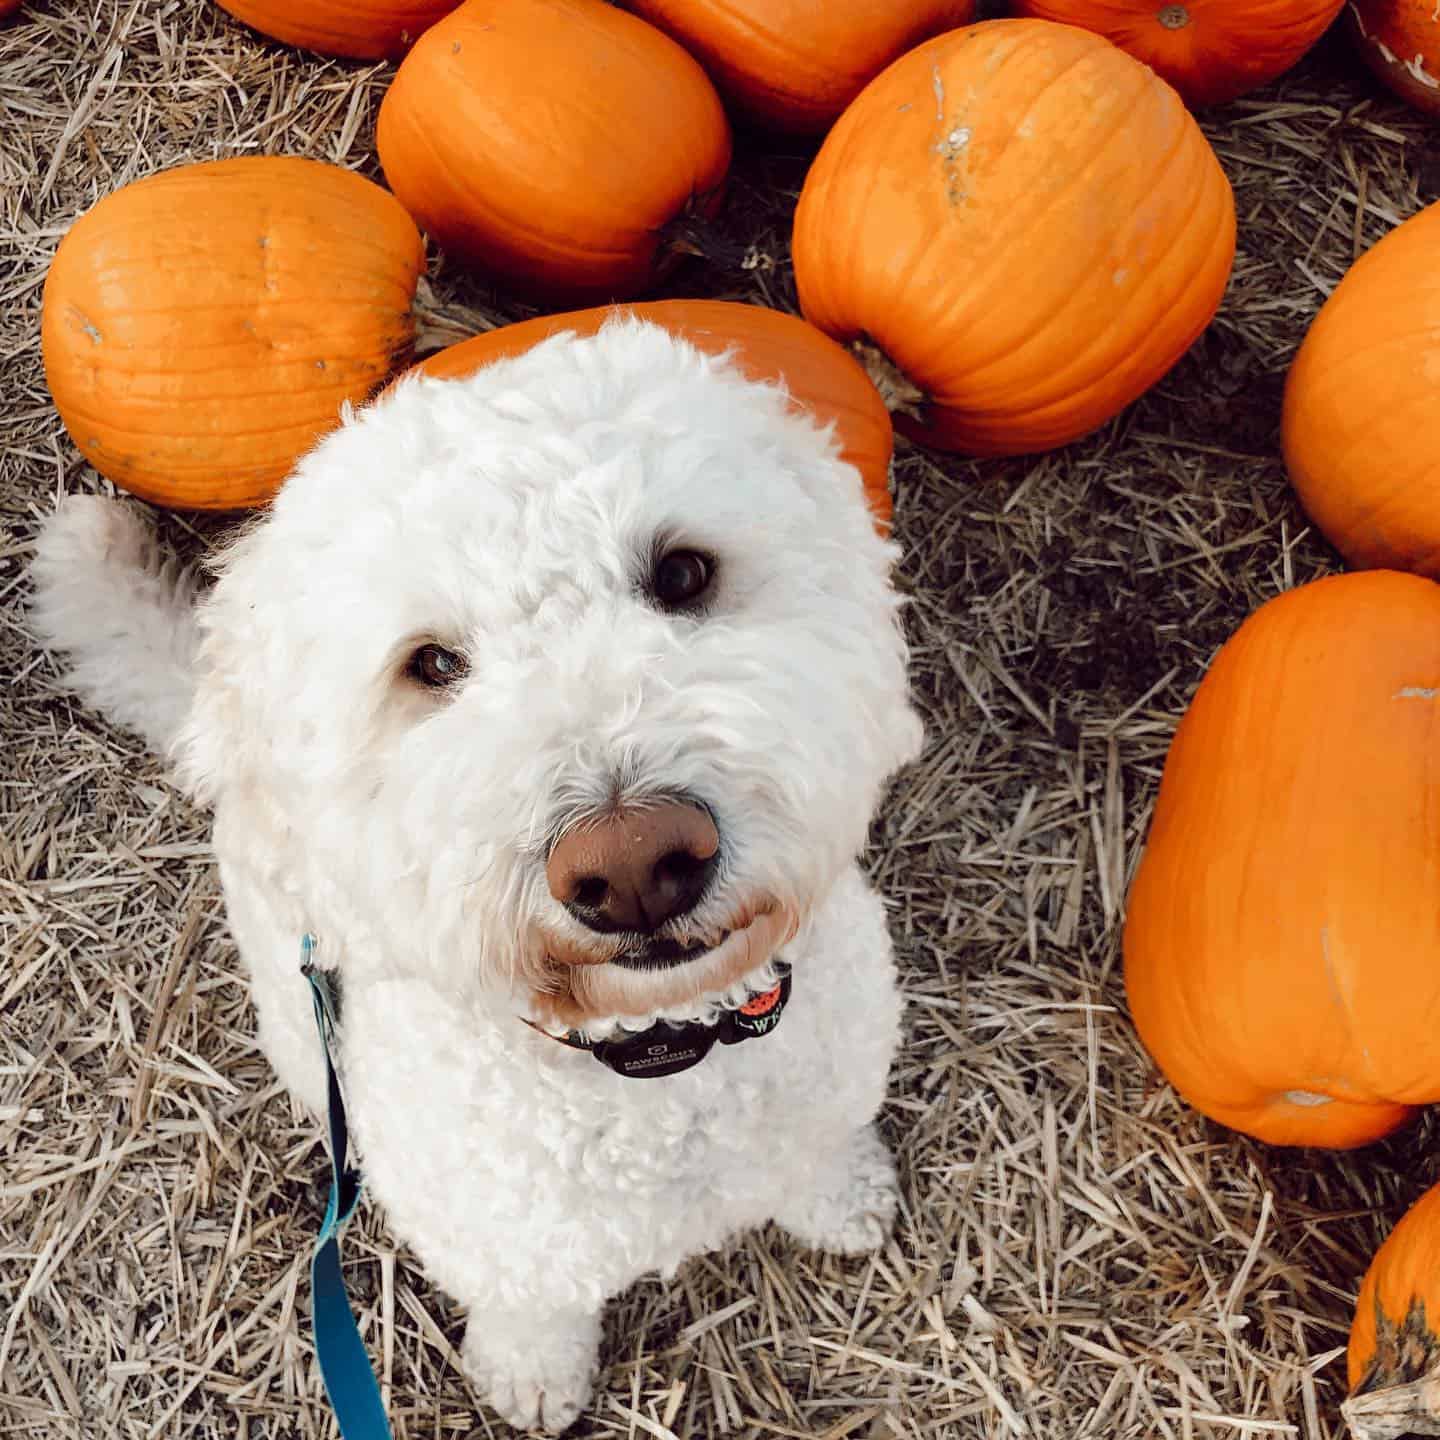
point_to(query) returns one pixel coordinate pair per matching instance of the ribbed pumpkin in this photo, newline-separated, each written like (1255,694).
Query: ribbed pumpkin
(1021,228)
(1209,50)
(201,328)
(1367,476)
(552,142)
(768,345)
(355,29)
(1393,1358)
(1400,41)
(1282,940)
(794,65)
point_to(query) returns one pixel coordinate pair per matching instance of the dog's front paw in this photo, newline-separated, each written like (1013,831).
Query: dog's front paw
(852,1208)
(535,1372)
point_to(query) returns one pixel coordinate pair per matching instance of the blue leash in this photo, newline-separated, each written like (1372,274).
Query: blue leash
(349,1378)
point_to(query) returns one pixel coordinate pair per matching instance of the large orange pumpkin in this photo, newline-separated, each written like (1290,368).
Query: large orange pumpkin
(201,328)
(794,65)
(552,142)
(1400,41)
(1393,1359)
(1367,477)
(768,345)
(1021,228)
(355,29)
(1209,50)
(1282,940)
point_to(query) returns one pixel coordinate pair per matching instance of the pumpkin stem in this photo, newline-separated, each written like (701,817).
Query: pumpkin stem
(1174,17)
(899,392)
(1396,1411)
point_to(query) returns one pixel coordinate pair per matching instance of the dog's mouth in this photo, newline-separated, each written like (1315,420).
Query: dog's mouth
(650,954)
(666,954)
(642,974)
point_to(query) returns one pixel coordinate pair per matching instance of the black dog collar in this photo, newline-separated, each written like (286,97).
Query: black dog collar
(667,1048)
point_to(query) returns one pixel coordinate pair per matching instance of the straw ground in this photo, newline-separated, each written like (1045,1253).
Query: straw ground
(1079,1256)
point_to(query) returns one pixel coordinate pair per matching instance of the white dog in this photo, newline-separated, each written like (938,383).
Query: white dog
(562,694)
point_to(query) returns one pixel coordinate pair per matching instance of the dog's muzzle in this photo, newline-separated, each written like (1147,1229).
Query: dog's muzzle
(663,954)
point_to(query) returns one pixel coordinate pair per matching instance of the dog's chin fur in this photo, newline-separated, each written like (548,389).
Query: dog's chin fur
(586,992)
(515,518)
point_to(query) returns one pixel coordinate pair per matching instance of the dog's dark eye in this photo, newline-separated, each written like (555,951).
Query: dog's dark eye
(681,577)
(436,667)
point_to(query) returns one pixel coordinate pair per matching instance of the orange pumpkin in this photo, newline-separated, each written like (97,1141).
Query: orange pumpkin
(9,8)
(1209,50)
(1282,940)
(768,345)
(794,65)
(1021,228)
(1400,41)
(355,29)
(201,328)
(1393,1358)
(552,142)
(1368,481)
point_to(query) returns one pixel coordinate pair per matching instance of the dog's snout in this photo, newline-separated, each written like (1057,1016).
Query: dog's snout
(635,868)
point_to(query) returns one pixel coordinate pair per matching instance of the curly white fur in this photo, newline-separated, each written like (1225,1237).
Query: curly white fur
(511,517)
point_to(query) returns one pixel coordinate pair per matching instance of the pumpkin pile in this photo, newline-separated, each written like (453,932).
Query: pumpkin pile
(1014,226)
(573,152)
(1267,936)
(1012,229)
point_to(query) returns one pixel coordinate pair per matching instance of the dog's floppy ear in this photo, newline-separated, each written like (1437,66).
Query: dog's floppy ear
(287,679)
(289,653)
(229,739)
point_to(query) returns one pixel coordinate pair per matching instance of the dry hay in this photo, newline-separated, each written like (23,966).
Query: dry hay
(1079,1255)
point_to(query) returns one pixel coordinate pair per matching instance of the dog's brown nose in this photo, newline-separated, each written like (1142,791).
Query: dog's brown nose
(635,868)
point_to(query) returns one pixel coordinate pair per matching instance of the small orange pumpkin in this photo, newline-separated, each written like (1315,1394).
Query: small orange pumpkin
(768,344)
(1021,228)
(1209,50)
(552,142)
(1367,479)
(202,327)
(1282,940)
(1393,1359)
(794,65)
(1400,41)
(354,29)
